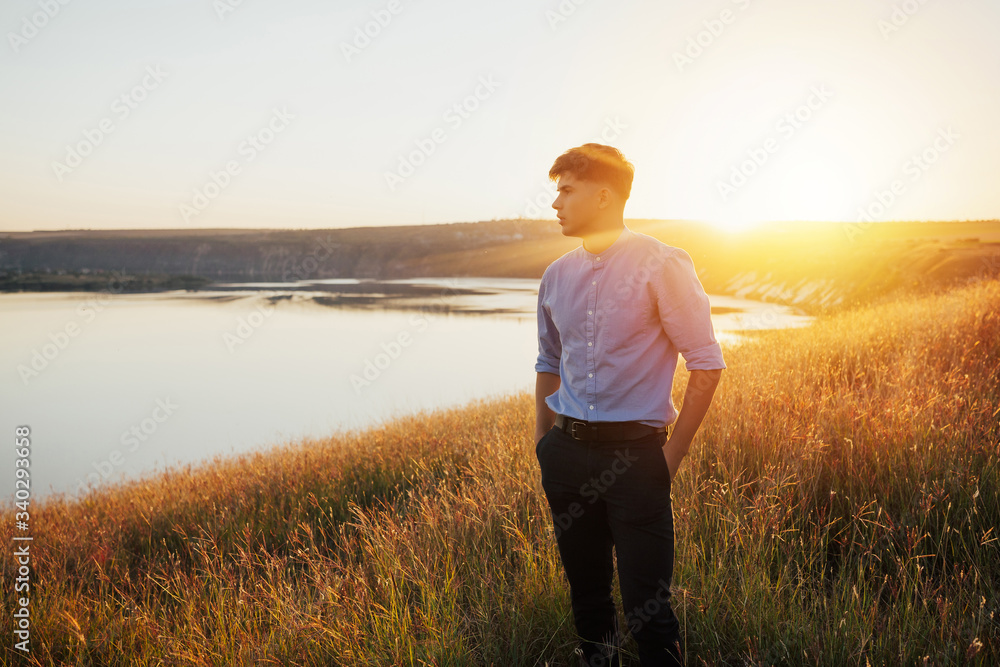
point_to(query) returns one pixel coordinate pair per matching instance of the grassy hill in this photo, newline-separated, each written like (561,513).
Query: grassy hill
(840,507)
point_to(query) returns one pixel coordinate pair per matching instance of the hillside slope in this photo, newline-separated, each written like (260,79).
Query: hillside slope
(840,507)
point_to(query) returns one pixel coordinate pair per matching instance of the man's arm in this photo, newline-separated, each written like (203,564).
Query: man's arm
(545,385)
(686,315)
(697,398)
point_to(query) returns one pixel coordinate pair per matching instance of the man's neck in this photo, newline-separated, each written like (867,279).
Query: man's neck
(600,241)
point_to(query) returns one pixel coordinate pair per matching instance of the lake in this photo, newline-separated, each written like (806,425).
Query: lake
(122,385)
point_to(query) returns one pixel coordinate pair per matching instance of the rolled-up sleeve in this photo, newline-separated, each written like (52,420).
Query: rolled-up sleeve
(549,345)
(685,312)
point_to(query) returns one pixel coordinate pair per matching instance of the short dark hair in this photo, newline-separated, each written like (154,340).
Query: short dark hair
(596,163)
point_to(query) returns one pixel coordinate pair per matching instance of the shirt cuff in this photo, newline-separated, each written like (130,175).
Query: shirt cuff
(545,366)
(706,358)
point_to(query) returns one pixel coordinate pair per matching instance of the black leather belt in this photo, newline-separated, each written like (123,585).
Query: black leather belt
(580,429)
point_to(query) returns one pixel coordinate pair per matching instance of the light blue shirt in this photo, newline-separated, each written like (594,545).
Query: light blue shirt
(611,325)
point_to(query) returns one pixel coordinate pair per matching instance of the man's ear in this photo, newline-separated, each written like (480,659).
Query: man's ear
(603,198)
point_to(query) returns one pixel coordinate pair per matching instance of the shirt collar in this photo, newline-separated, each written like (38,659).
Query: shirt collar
(611,249)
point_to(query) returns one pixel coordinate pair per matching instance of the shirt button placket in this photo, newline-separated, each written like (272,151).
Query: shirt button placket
(592,410)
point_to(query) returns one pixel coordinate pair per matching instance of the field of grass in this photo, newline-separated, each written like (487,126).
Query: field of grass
(841,506)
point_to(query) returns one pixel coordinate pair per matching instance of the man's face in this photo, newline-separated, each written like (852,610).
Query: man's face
(577,205)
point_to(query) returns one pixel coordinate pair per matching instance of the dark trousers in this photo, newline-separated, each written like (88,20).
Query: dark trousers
(614,494)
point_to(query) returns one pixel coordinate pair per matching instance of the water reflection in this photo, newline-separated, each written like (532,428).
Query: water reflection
(121,385)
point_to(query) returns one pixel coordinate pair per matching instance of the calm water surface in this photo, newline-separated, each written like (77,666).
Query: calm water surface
(124,385)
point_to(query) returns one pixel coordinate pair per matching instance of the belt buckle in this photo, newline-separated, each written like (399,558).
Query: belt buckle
(572,428)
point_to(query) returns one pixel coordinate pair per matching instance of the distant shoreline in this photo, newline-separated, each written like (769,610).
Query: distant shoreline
(814,267)
(76,281)
(408,294)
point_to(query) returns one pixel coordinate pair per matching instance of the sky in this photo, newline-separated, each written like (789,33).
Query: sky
(244,113)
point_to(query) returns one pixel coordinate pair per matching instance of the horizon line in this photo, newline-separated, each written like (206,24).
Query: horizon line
(748,228)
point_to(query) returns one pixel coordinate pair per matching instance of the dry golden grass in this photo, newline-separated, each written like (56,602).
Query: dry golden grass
(841,507)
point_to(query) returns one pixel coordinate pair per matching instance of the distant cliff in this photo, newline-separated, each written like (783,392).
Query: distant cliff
(283,255)
(815,266)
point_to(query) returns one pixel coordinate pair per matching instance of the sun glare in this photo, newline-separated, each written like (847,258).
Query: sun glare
(820,188)
(734,223)
(816,189)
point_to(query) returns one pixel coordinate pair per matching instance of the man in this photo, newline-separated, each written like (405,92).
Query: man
(613,314)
